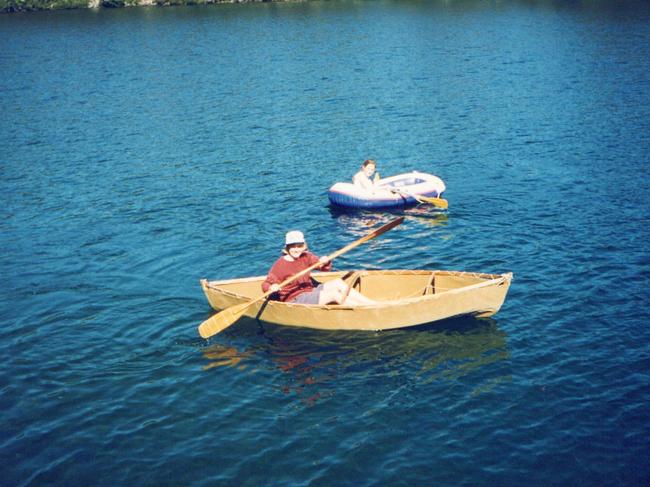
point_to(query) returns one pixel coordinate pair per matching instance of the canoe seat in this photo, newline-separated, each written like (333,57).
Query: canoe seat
(353,280)
(430,288)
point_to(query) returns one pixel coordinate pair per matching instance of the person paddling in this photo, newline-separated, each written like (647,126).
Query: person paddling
(302,290)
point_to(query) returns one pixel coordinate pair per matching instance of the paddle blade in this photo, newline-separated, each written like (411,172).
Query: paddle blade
(222,320)
(439,202)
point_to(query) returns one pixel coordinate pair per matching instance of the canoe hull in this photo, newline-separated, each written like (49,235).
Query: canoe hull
(407,298)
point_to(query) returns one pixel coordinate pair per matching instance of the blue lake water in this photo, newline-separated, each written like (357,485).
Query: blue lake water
(143,149)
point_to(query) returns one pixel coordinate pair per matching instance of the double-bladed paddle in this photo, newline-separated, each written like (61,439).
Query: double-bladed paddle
(228,316)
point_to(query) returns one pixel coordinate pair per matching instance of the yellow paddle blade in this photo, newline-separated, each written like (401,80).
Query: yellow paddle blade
(439,202)
(222,320)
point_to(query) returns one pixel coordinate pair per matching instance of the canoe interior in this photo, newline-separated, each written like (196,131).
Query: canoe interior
(378,285)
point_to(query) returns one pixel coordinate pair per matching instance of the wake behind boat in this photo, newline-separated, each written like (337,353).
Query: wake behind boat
(406,298)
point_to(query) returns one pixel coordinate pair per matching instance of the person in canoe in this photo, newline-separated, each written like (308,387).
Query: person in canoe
(296,258)
(364,178)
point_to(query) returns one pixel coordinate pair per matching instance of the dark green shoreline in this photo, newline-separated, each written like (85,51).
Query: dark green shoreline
(8,6)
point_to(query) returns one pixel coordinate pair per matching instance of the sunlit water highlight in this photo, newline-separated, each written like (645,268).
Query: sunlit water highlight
(143,149)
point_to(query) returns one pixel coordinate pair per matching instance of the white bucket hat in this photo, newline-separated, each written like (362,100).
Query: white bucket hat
(294,237)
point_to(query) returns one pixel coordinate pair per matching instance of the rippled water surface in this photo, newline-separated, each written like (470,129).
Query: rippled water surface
(143,149)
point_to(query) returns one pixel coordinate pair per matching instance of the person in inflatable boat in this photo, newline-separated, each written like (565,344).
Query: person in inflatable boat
(296,258)
(363,178)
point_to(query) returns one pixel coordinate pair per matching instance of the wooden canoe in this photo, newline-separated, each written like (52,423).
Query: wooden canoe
(407,298)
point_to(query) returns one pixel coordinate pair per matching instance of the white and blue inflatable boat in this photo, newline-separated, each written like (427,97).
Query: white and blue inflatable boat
(390,192)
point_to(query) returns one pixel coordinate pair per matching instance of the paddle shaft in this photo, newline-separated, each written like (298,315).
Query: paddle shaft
(334,255)
(227,317)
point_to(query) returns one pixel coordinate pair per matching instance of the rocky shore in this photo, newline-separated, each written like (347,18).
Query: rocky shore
(33,5)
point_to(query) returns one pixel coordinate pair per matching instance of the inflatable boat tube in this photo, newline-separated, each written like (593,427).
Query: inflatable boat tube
(389,192)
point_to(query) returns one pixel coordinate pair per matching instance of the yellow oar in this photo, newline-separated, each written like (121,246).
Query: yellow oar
(439,202)
(227,317)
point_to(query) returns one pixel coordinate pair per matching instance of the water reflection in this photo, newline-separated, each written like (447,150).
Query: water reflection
(316,363)
(427,216)
(224,356)
(360,222)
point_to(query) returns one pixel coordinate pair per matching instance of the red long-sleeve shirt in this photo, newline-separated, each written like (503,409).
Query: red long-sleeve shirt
(282,269)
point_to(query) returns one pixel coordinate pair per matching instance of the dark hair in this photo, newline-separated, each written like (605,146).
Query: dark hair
(367,162)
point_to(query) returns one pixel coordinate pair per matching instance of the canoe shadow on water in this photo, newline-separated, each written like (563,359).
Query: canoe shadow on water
(445,349)
(462,325)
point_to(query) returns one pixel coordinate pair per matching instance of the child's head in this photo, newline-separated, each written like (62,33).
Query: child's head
(368,167)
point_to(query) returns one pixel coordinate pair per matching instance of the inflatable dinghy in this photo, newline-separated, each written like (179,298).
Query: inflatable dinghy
(394,191)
